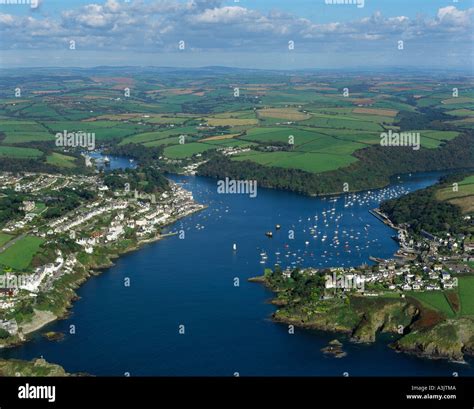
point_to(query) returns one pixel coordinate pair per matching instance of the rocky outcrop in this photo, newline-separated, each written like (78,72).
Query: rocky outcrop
(451,339)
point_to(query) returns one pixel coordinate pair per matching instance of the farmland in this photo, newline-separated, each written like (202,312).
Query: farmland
(461,194)
(15,152)
(452,303)
(20,254)
(4,238)
(435,300)
(316,124)
(60,160)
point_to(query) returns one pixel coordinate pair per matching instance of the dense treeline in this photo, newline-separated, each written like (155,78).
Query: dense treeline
(145,179)
(10,206)
(28,165)
(374,168)
(422,211)
(299,286)
(426,118)
(65,201)
(145,155)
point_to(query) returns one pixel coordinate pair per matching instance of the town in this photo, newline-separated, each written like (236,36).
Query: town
(38,250)
(423,263)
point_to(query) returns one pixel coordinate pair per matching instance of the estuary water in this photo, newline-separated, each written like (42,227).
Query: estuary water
(187,282)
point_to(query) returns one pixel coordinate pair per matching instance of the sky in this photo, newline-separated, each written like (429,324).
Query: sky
(281,34)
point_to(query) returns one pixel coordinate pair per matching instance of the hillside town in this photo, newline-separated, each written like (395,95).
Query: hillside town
(111,218)
(424,262)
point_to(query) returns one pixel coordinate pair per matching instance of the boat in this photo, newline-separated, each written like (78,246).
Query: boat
(234,247)
(269,234)
(106,161)
(278,227)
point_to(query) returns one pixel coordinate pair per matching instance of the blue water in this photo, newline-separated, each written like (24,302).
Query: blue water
(190,282)
(116,162)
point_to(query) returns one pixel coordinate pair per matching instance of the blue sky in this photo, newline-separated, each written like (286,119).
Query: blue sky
(244,33)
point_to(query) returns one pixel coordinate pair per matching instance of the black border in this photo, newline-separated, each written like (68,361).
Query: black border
(240,392)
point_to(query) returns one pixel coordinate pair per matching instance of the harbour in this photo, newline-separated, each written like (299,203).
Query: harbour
(227,327)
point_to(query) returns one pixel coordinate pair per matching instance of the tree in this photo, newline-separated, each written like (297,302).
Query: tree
(4,333)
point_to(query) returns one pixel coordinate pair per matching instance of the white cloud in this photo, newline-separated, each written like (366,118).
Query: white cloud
(223,15)
(6,20)
(207,24)
(451,15)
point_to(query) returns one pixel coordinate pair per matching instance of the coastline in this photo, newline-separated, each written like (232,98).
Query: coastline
(41,318)
(424,335)
(383,315)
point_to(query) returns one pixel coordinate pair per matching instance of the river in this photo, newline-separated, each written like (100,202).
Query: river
(190,281)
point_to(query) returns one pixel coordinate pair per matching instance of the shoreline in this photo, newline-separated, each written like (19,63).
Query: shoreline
(390,181)
(42,318)
(359,333)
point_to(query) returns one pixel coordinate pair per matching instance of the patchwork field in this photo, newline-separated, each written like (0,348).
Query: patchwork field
(219,137)
(380,112)
(290,114)
(325,125)
(231,121)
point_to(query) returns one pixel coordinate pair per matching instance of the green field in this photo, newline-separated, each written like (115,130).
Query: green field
(435,300)
(433,139)
(60,160)
(186,150)
(466,295)
(311,162)
(15,152)
(148,137)
(315,150)
(461,112)
(23,137)
(5,238)
(327,126)
(462,197)
(465,188)
(20,254)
